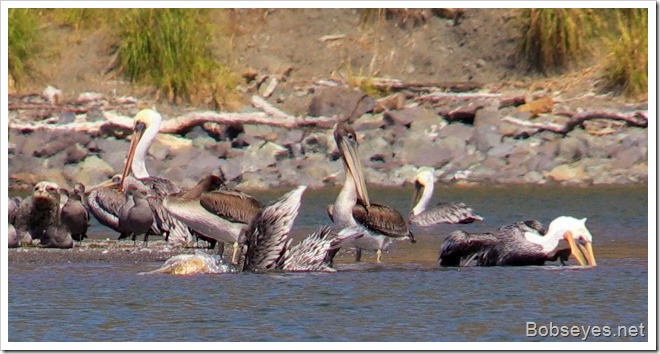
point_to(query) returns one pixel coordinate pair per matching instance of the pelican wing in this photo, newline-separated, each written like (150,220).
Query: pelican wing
(382,219)
(231,205)
(315,253)
(104,204)
(267,238)
(446,213)
(463,245)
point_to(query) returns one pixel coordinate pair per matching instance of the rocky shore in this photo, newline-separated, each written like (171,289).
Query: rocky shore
(481,136)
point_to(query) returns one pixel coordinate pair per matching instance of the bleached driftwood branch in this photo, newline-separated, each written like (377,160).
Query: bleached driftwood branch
(269,116)
(639,119)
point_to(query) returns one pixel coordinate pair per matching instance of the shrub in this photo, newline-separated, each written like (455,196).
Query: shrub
(552,38)
(22,43)
(170,48)
(627,66)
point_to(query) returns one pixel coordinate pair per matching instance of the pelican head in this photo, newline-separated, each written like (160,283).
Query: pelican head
(347,143)
(423,182)
(145,127)
(579,239)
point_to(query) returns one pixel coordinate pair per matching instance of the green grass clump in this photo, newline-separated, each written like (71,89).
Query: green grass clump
(553,38)
(169,48)
(23,43)
(627,66)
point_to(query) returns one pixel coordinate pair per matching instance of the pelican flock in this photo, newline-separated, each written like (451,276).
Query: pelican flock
(136,203)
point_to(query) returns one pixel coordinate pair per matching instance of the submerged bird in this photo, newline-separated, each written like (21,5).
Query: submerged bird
(218,215)
(382,224)
(38,212)
(519,244)
(145,129)
(74,215)
(442,213)
(266,245)
(136,217)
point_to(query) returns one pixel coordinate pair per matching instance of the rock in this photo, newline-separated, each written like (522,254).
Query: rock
(49,144)
(540,105)
(539,163)
(112,151)
(376,148)
(318,142)
(341,102)
(398,117)
(368,122)
(259,156)
(533,177)
(66,117)
(571,149)
(501,150)
(93,170)
(392,102)
(626,158)
(485,137)
(89,96)
(421,118)
(567,173)
(486,117)
(457,130)
(425,154)
(231,168)
(75,153)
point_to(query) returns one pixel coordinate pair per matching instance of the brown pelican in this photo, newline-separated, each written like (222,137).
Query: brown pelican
(145,129)
(220,215)
(38,212)
(104,202)
(74,215)
(267,245)
(521,243)
(442,213)
(382,224)
(136,217)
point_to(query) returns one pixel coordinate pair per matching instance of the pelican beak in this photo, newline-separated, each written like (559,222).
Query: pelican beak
(354,166)
(583,254)
(105,184)
(419,190)
(137,135)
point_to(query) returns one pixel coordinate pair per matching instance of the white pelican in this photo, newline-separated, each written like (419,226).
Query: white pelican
(522,243)
(382,224)
(442,213)
(145,128)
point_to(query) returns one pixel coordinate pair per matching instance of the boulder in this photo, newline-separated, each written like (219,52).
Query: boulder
(368,122)
(93,170)
(626,158)
(75,153)
(486,117)
(342,102)
(571,149)
(485,137)
(457,130)
(568,173)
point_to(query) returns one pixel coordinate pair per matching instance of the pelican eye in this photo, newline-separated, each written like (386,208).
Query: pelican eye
(139,126)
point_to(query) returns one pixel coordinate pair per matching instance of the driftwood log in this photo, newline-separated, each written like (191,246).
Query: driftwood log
(268,116)
(638,119)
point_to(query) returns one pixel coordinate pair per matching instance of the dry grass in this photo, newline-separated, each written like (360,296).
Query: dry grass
(627,65)
(552,39)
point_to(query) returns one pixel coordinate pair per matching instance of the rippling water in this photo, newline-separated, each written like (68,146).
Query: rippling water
(408,298)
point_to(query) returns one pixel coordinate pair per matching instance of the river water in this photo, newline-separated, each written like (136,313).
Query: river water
(407,298)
